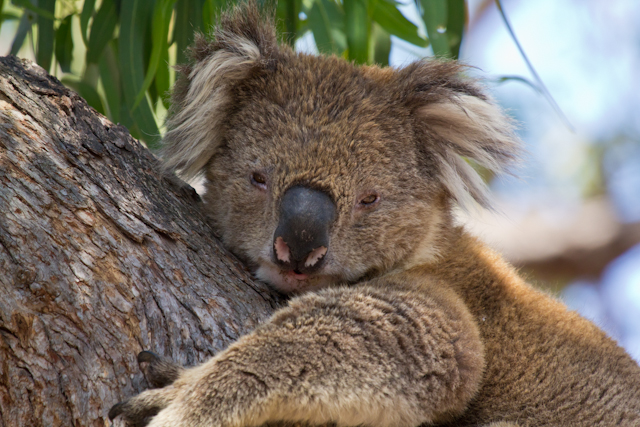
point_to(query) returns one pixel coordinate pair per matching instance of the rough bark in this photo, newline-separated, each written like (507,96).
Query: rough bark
(101,256)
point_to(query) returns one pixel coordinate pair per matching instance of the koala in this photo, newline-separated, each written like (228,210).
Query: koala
(335,184)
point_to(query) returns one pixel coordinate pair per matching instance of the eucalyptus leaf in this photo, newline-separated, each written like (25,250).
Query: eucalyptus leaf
(320,25)
(104,24)
(85,15)
(162,80)
(387,15)
(457,15)
(46,34)
(28,5)
(381,45)
(188,20)
(134,21)
(110,77)
(435,16)
(159,30)
(64,44)
(8,17)
(26,21)
(357,28)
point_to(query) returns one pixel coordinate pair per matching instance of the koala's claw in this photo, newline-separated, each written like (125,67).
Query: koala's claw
(116,410)
(139,410)
(147,356)
(157,371)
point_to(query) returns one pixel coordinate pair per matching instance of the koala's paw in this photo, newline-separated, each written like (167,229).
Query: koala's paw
(139,410)
(158,372)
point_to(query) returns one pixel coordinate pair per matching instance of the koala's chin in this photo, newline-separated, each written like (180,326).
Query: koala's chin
(289,282)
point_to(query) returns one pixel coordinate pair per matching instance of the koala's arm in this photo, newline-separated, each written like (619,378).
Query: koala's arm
(352,356)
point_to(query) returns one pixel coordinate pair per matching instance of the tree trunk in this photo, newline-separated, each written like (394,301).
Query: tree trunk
(101,257)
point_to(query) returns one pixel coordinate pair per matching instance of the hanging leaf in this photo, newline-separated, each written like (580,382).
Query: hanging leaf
(46,35)
(6,16)
(321,26)
(435,16)
(102,29)
(188,20)
(288,12)
(382,45)
(21,34)
(110,78)
(64,44)
(134,21)
(457,15)
(357,28)
(87,13)
(386,13)
(159,30)
(28,5)
(163,79)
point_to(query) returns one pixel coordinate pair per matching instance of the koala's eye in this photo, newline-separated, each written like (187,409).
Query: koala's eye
(369,200)
(259,180)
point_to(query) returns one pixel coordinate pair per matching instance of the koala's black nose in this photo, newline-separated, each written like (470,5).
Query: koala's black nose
(301,239)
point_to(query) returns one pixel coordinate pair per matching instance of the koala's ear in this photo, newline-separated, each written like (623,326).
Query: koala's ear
(244,39)
(457,120)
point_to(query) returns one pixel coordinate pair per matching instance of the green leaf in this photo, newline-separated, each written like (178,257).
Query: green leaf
(134,21)
(159,30)
(357,28)
(46,35)
(435,16)
(320,24)
(382,45)
(28,5)
(287,12)
(110,78)
(456,18)
(85,15)
(21,33)
(104,23)
(335,12)
(64,44)
(386,14)
(86,91)
(8,17)
(163,79)
(188,20)
(210,11)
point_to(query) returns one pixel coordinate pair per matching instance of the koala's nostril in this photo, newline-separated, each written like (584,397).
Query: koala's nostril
(315,256)
(282,250)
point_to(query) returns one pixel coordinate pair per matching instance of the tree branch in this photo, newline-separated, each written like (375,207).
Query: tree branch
(100,257)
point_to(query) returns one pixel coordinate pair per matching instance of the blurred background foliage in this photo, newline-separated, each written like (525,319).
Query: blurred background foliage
(118,54)
(571,222)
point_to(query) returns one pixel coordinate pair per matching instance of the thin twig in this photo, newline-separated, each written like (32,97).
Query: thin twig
(543,89)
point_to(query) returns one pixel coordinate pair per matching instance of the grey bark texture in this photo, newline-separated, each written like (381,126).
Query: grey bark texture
(101,257)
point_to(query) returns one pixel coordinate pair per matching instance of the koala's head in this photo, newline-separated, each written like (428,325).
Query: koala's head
(319,171)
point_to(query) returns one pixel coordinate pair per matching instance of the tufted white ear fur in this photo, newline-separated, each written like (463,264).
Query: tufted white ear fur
(472,127)
(195,127)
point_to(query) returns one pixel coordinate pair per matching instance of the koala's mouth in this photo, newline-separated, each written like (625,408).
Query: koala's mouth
(296,274)
(290,281)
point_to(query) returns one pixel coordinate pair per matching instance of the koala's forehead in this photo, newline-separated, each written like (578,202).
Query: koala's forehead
(308,107)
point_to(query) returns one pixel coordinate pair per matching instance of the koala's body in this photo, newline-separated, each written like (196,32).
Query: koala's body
(335,183)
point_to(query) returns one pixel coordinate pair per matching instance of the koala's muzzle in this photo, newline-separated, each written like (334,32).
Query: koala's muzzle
(301,239)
